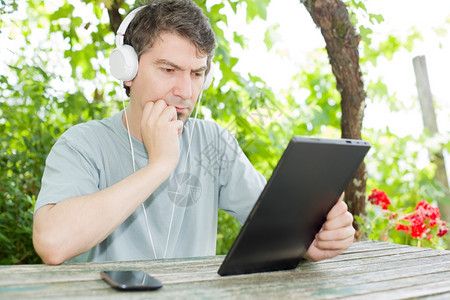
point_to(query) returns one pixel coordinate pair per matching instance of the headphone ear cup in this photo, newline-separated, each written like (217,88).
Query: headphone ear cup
(123,63)
(209,77)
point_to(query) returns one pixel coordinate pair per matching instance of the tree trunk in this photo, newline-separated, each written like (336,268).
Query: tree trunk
(342,41)
(115,18)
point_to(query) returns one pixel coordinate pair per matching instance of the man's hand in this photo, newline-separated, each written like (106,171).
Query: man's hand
(160,130)
(336,235)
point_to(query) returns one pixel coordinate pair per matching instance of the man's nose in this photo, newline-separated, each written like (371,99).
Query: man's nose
(183,85)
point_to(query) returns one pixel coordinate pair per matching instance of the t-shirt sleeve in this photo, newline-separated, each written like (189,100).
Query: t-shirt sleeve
(240,183)
(69,172)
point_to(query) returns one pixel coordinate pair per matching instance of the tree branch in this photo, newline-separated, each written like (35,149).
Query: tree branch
(115,18)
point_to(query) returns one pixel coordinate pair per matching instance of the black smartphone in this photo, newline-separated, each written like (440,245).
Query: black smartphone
(131,280)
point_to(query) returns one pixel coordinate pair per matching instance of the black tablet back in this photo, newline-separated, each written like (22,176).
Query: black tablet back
(306,183)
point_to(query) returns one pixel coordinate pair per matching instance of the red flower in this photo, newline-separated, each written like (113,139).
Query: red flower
(442,230)
(417,225)
(379,198)
(402,227)
(421,220)
(427,211)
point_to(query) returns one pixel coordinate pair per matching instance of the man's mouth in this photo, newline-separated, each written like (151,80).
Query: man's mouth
(180,109)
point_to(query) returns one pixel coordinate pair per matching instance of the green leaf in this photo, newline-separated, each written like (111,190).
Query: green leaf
(64,11)
(412,38)
(76,22)
(215,12)
(256,9)
(270,36)
(360,5)
(376,18)
(365,33)
(239,39)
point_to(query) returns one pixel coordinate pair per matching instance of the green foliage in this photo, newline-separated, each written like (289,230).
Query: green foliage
(33,115)
(396,166)
(359,12)
(321,109)
(228,227)
(7,6)
(38,103)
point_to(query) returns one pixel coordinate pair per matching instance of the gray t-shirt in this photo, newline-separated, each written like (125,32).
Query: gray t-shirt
(216,174)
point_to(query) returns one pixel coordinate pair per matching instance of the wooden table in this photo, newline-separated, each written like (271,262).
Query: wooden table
(367,270)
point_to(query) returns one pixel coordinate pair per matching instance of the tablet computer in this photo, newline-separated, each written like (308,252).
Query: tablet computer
(308,180)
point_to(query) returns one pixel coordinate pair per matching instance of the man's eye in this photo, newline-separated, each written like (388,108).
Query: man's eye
(198,74)
(168,70)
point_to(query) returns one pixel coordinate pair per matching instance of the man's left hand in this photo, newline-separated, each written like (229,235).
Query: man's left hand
(336,235)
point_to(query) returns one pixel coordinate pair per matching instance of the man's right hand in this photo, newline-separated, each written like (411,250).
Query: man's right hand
(160,130)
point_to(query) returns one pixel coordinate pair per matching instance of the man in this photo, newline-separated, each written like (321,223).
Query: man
(102,200)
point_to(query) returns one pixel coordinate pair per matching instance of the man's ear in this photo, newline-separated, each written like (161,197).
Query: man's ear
(128,83)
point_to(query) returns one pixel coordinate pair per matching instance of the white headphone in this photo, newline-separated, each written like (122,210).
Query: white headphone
(123,60)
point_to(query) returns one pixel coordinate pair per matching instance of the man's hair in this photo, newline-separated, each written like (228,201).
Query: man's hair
(181,17)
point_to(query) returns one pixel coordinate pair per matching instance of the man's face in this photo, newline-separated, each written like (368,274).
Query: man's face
(172,70)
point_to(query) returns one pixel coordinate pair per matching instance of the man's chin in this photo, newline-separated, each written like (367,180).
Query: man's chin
(182,117)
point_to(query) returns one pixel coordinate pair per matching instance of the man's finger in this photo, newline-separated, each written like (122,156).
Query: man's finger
(179,125)
(157,109)
(147,110)
(338,234)
(338,209)
(169,114)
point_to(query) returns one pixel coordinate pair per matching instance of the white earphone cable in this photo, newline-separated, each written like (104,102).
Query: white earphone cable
(178,183)
(183,173)
(134,170)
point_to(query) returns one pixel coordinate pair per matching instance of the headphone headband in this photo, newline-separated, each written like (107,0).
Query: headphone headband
(123,60)
(124,25)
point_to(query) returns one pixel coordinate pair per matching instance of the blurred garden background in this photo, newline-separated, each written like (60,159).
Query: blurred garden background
(274,80)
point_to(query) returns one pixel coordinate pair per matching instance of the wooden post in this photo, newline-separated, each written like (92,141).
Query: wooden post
(429,122)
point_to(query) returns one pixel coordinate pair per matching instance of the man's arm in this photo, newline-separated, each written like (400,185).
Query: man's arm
(75,225)
(336,235)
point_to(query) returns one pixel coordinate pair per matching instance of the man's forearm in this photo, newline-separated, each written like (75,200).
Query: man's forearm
(75,225)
